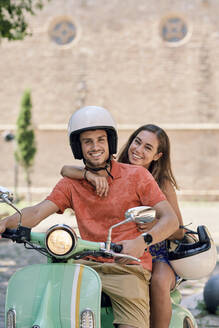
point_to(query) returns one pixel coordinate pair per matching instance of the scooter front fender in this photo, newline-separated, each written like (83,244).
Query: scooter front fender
(181,317)
(53,295)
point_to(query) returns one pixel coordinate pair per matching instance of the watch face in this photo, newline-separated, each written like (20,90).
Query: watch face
(147,238)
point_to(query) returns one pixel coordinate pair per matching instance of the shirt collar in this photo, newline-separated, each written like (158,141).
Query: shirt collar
(116,169)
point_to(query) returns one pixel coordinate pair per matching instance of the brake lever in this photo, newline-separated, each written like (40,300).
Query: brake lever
(120,255)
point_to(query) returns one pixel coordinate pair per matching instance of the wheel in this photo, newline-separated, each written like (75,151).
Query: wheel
(187,323)
(211,293)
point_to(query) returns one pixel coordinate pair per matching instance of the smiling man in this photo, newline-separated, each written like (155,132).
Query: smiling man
(94,146)
(93,138)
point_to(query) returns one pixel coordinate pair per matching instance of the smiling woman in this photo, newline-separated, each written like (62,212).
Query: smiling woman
(144,149)
(156,145)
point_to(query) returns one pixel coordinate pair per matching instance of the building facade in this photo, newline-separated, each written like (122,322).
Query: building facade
(146,61)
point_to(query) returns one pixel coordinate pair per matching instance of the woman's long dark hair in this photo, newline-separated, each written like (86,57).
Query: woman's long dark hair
(160,169)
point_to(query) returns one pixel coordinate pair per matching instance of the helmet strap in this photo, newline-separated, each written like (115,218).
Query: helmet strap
(97,169)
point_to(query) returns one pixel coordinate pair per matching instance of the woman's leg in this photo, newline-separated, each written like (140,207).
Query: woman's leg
(162,281)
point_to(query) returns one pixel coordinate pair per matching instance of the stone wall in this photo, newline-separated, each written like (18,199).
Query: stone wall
(121,60)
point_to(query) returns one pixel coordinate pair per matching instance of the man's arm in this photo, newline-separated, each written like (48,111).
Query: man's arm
(166,226)
(31,216)
(167,222)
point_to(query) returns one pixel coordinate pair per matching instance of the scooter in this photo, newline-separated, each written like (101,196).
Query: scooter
(64,294)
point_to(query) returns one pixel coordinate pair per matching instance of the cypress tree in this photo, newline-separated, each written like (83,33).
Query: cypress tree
(25,139)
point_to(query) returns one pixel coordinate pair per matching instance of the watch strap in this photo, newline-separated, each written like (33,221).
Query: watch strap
(147,238)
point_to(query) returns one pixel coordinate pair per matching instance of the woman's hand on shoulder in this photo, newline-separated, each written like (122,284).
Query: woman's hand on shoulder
(75,172)
(100,183)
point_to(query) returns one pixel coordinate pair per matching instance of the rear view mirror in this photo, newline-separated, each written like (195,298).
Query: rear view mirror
(5,195)
(141,214)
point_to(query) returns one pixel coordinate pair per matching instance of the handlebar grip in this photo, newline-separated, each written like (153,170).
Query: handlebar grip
(116,248)
(20,235)
(9,233)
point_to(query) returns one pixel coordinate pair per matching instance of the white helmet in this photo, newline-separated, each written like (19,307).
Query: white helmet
(195,260)
(91,118)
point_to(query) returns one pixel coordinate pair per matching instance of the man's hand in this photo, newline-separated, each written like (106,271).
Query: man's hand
(100,183)
(2,227)
(134,247)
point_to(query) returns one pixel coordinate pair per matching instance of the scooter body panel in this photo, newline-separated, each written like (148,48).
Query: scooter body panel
(53,295)
(179,313)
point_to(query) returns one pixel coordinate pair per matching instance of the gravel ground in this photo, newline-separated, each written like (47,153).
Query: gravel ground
(14,256)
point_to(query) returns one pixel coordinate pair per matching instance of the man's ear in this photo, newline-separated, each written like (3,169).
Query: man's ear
(157,156)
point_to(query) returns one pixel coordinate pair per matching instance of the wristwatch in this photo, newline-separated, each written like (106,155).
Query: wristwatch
(147,238)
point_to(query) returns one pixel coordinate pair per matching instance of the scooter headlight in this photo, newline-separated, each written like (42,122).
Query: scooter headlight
(60,240)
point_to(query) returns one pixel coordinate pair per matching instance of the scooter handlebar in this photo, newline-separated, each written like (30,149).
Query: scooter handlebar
(23,234)
(10,234)
(19,235)
(116,248)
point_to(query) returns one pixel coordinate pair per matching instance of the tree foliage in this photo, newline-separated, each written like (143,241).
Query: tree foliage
(25,138)
(13,23)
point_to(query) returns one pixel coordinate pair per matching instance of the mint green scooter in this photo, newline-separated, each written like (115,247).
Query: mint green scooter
(64,294)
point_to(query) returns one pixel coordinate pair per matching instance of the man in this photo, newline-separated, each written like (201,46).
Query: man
(93,138)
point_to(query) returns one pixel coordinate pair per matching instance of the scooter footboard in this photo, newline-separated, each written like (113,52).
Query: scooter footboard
(54,296)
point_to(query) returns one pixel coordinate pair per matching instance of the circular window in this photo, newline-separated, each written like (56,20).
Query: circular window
(174,30)
(62,31)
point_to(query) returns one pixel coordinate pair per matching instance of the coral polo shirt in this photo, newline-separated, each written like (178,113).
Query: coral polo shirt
(131,186)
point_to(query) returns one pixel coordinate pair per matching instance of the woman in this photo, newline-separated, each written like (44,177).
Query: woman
(149,147)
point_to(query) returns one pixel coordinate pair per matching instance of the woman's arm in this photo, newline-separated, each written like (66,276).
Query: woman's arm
(171,196)
(75,172)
